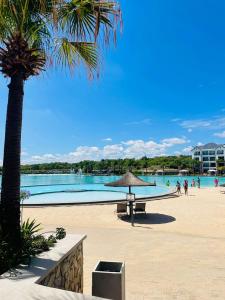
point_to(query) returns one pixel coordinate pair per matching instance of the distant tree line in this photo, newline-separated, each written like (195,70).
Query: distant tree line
(117,166)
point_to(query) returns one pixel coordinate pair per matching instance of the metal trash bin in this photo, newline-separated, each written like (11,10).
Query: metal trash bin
(108,280)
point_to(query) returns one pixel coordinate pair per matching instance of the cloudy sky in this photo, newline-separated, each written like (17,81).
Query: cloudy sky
(160,91)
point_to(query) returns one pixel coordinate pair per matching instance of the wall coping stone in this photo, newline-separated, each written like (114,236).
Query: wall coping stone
(21,284)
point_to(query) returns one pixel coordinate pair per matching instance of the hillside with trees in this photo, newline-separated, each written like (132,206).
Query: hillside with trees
(117,166)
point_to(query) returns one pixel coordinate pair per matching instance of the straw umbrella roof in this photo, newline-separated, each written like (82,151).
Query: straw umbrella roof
(129,179)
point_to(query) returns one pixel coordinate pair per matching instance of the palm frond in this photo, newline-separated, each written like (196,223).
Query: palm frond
(65,31)
(70,53)
(82,19)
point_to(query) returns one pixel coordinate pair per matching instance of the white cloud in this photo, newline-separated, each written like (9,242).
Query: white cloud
(140,122)
(177,153)
(132,142)
(36,158)
(200,144)
(85,153)
(139,148)
(220,134)
(112,151)
(213,123)
(24,153)
(190,124)
(49,155)
(187,150)
(130,148)
(107,139)
(190,130)
(175,120)
(175,141)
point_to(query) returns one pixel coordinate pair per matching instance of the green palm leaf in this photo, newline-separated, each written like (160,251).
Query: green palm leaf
(72,53)
(65,31)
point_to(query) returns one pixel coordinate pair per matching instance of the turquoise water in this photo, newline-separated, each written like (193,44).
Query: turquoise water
(34,180)
(72,188)
(95,192)
(141,191)
(77,197)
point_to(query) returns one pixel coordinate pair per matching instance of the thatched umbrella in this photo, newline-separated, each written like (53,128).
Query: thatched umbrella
(129,180)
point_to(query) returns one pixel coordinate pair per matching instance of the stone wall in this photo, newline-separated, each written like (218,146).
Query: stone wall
(68,273)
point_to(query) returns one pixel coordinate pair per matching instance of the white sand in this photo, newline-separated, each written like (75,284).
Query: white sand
(176,252)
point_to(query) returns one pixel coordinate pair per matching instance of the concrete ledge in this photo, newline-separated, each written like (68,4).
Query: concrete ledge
(24,282)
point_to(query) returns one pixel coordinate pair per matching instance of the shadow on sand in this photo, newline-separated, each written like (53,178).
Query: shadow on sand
(148,218)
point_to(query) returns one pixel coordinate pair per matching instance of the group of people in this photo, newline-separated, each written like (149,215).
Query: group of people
(185,185)
(194,183)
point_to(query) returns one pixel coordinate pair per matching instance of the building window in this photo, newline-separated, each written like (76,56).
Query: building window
(212,158)
(213,165)
(206,165)
(205,158)
(220,152)
(221,157)
(197,153)
(212,152)
(205,152)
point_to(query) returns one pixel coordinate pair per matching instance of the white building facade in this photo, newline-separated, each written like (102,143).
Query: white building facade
(210,155)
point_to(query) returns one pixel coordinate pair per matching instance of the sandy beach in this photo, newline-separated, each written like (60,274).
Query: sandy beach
(175,252)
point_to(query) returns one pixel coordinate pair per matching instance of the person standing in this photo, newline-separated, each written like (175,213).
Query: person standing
(193,183)
(168,183)
(216,182)
(199,182)
(186,187)
(178,188)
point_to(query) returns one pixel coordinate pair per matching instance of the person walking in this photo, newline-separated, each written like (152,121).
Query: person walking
(185,187)
(178,188)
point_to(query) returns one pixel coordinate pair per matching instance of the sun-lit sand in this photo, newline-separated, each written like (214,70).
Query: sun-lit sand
(176,252)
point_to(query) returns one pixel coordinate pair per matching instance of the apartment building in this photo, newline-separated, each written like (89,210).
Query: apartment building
(210,155)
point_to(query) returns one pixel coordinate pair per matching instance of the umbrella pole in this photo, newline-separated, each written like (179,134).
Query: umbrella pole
(131,209)
(131,213)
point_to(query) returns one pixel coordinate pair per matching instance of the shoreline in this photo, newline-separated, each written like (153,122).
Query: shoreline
(108,175)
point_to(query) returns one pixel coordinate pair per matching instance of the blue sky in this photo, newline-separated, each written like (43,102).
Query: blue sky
(160,91)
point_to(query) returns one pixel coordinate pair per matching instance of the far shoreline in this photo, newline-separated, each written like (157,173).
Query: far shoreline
(137,173)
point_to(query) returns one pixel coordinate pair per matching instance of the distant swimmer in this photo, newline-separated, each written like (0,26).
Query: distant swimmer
(168,183)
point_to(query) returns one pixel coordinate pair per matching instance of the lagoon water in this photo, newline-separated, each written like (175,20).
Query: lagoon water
(70,188)
(58,179)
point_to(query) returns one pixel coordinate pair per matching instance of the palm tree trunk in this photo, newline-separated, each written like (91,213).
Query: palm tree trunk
(10,193)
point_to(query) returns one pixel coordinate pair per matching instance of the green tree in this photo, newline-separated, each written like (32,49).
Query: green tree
(33,35)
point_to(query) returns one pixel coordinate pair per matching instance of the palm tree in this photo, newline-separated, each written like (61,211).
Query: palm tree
(33,35)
